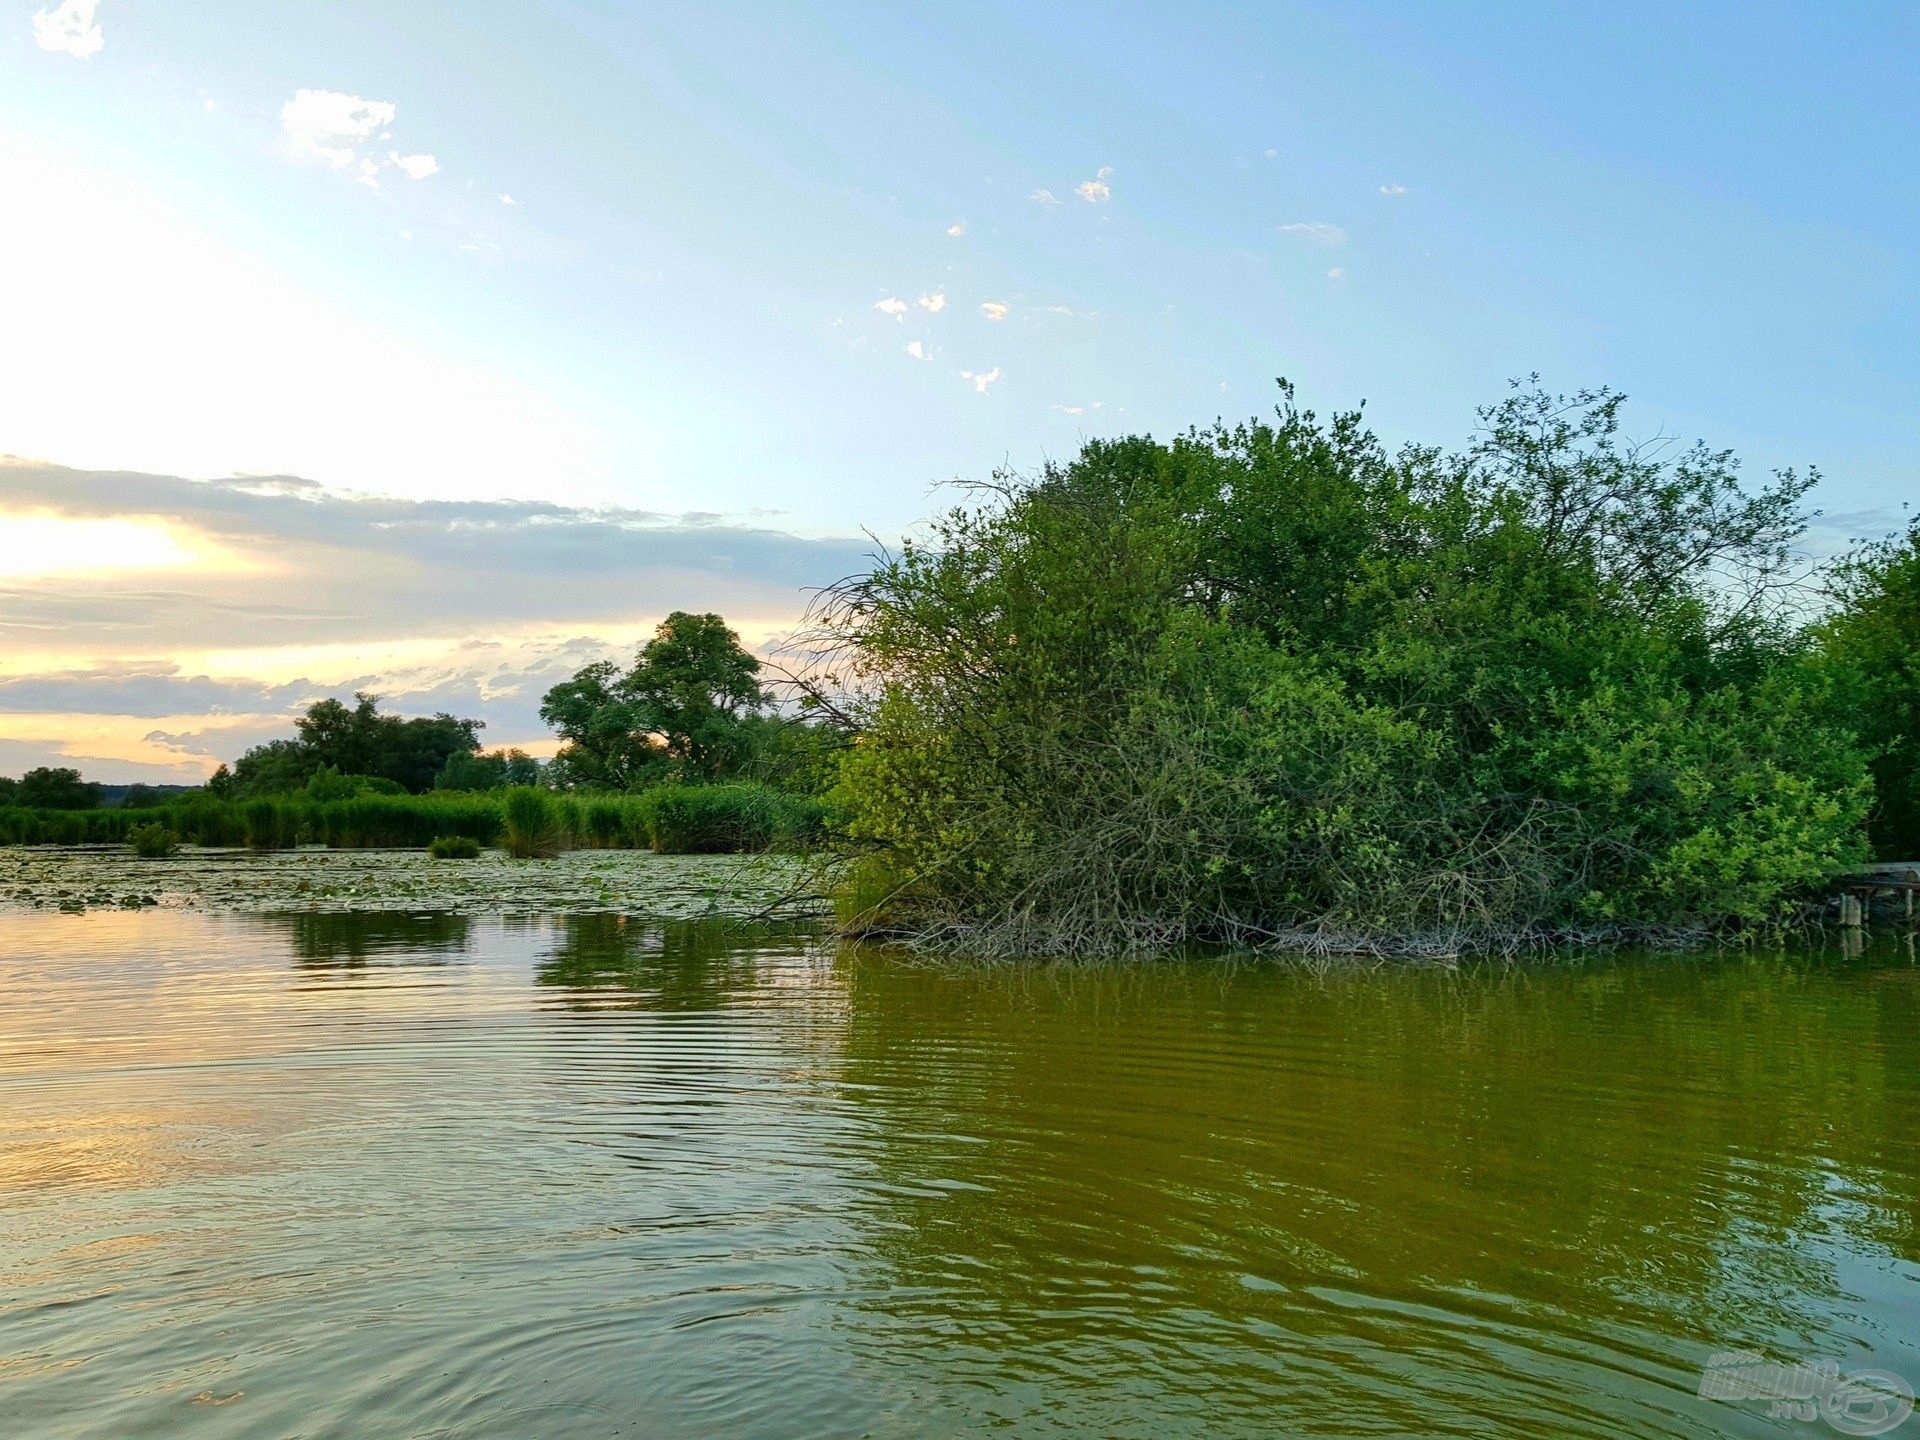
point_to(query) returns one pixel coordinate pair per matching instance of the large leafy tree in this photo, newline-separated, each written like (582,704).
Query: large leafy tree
(680,710)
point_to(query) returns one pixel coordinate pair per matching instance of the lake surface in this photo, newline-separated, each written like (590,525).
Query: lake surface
(429,1175)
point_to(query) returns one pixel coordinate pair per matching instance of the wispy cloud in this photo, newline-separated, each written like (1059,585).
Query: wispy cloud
(980,379)
(994,309)
(893,305)
(70,28)
(957,229)
(933,304)
(328,126)
(1393,189)
(1336,273)
(1096,191)
(918,350)
(414,167)
(1044,197)
(1320,230)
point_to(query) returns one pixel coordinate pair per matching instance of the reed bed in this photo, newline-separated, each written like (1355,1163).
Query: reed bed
(673,819)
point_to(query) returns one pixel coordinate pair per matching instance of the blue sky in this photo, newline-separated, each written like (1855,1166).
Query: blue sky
(685,309)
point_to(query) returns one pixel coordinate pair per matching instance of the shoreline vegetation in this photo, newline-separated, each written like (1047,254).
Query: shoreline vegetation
(1275,687)
(1269,687)
(668,820)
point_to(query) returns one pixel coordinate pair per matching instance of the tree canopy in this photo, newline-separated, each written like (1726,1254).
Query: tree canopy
(51,788)
(357,740)
(678,712)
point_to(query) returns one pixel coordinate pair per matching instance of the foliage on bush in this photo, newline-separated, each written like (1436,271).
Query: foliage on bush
(1272,684)
(153,841)
(453,847)
(1871,649)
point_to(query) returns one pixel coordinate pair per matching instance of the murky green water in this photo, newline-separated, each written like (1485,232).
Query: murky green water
(395,1175)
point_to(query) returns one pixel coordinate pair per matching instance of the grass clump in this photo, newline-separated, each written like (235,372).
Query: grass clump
(152,841)
(725,819)
(535,829)
(453,847)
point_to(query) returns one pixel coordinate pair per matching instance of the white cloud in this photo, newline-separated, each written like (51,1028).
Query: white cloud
(1336,273)
(917,350)
(414,167)
(994,309)
(1070,409)
(1393,189)
(933,304)
(893,305)
(1316,230)
(70,29)
(1044,197)
(508,200)
(1096,191)
(980,379)
(1273,154)
(957,229)
(328,126)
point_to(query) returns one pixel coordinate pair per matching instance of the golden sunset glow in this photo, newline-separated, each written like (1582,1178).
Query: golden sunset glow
(45,546)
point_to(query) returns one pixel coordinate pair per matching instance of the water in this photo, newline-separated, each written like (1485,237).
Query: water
(418,1175)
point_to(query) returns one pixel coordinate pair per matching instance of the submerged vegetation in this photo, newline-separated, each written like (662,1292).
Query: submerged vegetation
(1275,685)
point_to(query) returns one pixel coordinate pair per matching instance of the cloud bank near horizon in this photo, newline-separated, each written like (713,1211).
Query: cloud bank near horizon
(226,605)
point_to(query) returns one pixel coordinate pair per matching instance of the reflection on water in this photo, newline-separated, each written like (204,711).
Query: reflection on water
(347,941)
(354,1175)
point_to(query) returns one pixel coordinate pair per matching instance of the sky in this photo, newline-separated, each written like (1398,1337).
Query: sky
(439,348)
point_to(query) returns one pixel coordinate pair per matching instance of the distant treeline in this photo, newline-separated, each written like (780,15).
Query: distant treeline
(684,750)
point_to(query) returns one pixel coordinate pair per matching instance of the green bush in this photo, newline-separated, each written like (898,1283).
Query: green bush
(153,841)
(1870,647)
(1274,685)
(453,847)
